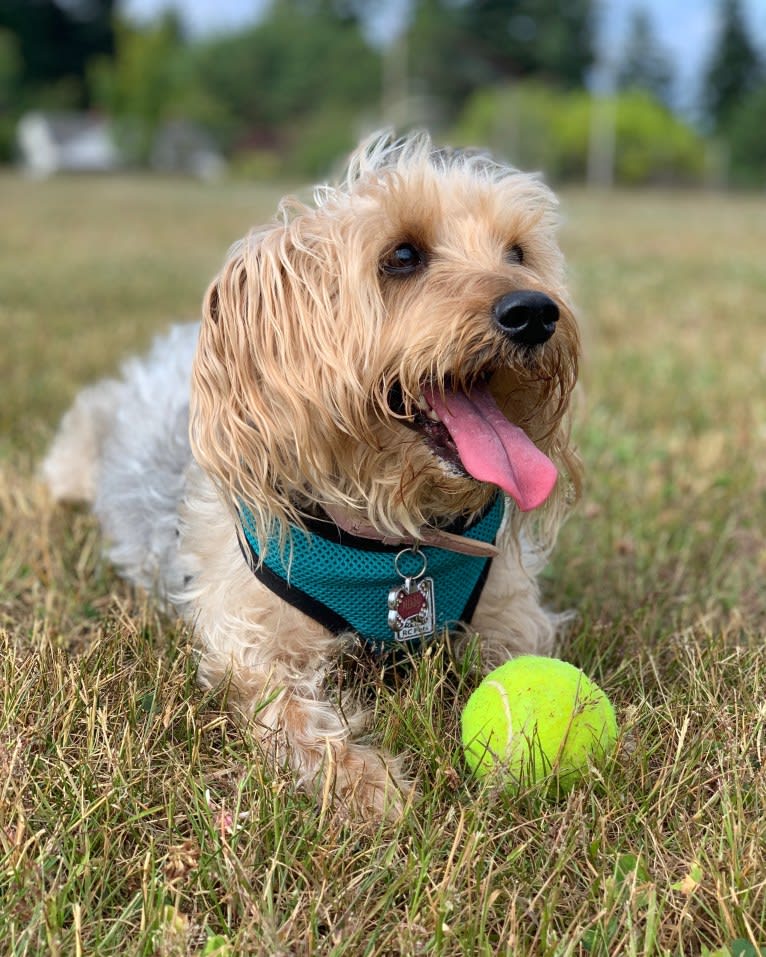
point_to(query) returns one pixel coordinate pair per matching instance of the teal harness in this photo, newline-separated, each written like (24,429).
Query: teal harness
(348,583)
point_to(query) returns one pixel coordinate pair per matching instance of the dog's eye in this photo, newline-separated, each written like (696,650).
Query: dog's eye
(514,254)
(403,260)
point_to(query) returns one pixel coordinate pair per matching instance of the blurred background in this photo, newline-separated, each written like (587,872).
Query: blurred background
(624,92)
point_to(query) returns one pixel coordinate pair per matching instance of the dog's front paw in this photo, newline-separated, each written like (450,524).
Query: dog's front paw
(365,782)
(308,734)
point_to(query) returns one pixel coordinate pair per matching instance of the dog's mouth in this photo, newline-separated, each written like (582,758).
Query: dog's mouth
(467,431)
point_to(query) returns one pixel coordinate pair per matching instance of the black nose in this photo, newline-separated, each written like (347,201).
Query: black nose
(528,318)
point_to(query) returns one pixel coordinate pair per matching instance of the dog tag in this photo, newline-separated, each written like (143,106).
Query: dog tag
(411,611)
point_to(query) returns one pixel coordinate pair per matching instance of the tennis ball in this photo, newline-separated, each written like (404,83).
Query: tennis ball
(534,717)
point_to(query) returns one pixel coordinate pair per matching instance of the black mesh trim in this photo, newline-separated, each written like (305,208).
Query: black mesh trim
(473,601)
(315,609)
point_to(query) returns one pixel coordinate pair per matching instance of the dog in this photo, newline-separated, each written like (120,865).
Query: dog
(366,439)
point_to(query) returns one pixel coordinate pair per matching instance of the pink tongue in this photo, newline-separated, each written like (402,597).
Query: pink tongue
(492,449)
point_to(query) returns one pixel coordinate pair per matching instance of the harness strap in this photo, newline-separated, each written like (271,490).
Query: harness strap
(343,580)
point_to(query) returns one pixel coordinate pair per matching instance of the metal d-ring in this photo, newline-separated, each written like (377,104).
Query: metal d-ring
(412,550)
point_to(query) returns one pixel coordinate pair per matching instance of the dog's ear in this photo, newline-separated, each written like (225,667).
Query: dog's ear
(269,395)
(231,415)
(211,305)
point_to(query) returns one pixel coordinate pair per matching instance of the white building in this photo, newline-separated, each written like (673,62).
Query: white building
(66,142)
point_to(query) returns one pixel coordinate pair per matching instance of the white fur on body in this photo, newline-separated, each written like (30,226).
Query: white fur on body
(124,448)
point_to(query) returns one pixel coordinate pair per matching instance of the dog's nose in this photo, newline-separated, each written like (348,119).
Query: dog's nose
(527,317)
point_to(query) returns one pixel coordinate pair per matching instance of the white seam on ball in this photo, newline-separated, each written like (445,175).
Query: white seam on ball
(508,719)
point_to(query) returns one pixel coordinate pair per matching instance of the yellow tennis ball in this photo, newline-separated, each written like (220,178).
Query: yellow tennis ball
(534,717)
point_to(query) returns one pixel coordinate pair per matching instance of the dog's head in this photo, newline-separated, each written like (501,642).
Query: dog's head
(399,350)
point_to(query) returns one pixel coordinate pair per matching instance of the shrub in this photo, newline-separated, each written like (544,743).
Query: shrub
(318,142)
(654,146)
(538,127)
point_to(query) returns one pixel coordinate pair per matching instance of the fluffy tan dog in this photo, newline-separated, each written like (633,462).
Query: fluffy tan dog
(379,390)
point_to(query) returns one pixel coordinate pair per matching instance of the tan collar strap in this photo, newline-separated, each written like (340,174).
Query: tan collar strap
(426,536)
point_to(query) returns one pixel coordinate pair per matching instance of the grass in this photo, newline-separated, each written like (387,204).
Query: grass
(121,784)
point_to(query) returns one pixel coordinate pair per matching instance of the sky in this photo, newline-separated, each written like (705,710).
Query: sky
(685,28)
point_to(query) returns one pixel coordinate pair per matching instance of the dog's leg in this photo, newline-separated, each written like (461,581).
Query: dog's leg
(304,731)
(274,661)
(275,682)
(510,619)
(71,467)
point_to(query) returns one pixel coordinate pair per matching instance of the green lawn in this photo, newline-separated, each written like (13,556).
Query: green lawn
(120,783)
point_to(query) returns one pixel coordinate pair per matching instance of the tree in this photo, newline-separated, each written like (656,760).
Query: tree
(56,41)
(459,47)
(734,68)
(138,86)
(747,143)
(10,73)
(643,64)
(272,79)
(10,69)
(548,39)
(442,67)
